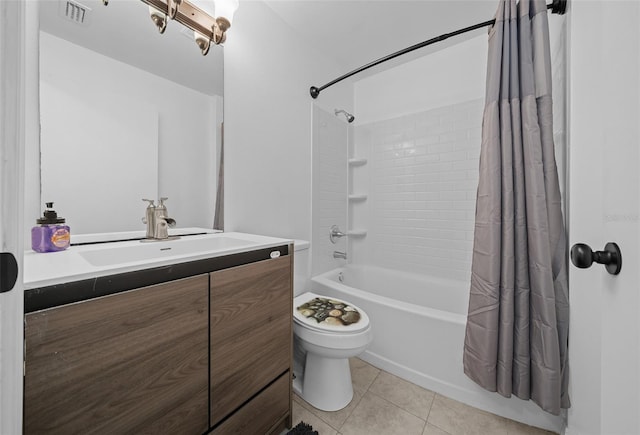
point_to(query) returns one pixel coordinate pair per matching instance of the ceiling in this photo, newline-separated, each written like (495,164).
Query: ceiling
(352,32)
(356,32)
(123,31)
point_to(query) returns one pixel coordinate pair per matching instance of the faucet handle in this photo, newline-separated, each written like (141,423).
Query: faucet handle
(335,233)
(162,200)
(150,201)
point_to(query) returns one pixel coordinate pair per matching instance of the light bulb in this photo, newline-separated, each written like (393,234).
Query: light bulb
(226,9)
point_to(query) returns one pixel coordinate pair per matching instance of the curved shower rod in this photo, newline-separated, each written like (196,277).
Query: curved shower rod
(557,7)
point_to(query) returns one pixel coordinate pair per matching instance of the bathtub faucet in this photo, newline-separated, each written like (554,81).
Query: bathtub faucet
(335,233)
(338,254)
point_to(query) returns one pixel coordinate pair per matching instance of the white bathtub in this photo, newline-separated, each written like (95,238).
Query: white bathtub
(418,327)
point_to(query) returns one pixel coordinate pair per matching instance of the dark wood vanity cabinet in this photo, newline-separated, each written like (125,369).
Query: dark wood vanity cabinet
(132,362)
(251,339)
(210,353)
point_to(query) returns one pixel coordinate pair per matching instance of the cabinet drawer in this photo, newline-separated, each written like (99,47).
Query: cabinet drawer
(262,413)
(250,331)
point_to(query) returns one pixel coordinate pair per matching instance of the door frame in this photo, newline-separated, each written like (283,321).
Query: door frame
(12,145)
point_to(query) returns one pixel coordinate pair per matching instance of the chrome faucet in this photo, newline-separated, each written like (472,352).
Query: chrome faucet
(157,220)
(335,233)
(338,254)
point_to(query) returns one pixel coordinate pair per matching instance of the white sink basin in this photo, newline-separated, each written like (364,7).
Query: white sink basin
(82,262)
(141,251)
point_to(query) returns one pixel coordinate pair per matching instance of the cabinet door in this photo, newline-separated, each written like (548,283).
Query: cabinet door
(250,332)
(133,362)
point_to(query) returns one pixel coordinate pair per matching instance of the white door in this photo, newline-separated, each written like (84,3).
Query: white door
(11,212)
(604,206)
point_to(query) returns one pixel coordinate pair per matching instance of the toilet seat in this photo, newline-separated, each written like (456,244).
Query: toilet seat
(311,323)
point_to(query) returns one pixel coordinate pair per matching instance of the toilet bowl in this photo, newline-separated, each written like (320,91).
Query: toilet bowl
(327,333)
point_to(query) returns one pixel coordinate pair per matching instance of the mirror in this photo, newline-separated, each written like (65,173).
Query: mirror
(126,113)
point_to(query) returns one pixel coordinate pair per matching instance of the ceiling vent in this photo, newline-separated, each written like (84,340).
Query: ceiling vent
(74,11)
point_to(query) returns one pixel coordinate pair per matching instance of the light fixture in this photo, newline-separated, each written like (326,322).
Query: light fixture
(197,15)
(158,18)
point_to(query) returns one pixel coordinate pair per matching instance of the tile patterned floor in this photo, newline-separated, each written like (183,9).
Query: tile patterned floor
(384,404)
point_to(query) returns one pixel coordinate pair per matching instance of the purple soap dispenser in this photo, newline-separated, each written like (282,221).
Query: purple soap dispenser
(51,234)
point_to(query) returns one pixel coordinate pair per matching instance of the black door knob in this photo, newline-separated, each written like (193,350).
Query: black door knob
(583,257)
(8,271)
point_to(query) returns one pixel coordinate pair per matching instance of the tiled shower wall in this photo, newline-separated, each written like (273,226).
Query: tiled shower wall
(421,179)
(422,171)
(329,188)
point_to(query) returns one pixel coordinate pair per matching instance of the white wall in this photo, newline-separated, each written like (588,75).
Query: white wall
(268,110)
(132,107)
(446,77)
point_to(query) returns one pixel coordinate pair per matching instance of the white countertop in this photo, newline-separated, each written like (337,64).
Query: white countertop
(90,261)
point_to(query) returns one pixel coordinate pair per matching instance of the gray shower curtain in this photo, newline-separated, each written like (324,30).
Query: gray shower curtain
(518,320)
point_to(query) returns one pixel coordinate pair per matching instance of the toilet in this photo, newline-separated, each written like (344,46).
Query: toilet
(327,332)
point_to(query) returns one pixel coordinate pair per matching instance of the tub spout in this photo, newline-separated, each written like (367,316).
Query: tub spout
(338,254)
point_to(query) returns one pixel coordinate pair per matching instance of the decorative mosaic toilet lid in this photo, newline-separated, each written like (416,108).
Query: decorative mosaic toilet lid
(329,314)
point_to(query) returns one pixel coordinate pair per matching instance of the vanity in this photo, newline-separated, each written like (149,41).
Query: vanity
(186,336)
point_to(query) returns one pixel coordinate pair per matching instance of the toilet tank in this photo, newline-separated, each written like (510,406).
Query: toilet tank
(300,266)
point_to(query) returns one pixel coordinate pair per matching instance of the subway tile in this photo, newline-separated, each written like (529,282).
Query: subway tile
(453,175)
(427,158)
(422,172)
(453,156)
(426,177)
(474,133)
(452,195)
(464,205)
(469,145)
(466,164)
(467,185)
(417,151)
(440,186)
(424,196)
(455,135)
(443,127)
